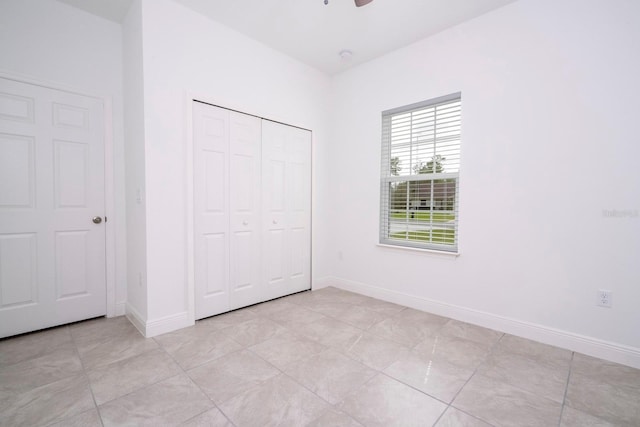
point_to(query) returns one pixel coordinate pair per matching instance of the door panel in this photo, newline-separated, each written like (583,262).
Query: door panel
(243,194)
(242,261)
(211,201)
(245,176)
(299,209)
(216,264)
(275,241)
(70,116)
(52,256)
(16,107)
(72,269)
(17,171)
(18,273)
(215,180)
(297,251)
(71,171)
(286,208)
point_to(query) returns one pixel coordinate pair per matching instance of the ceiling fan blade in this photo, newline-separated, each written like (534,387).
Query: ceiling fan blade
(362,2)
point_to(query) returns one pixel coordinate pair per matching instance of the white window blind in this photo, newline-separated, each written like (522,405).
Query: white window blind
(419,180)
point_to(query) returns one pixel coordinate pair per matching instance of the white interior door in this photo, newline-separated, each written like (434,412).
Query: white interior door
(244,186)
(286,209)
(227,226)
(52,255)
(211,209)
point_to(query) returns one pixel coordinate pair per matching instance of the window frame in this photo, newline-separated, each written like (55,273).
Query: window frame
(388,178)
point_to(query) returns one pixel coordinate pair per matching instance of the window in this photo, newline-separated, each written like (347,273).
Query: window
(419,181)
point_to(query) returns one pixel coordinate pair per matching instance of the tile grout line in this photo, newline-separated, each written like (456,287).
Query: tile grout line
(475,371)
(566,388)
(210,399)
(137,389)
(86,374)
(183,371)
(282,372)
(413,388)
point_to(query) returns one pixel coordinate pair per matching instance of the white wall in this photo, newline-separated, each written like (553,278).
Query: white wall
(550,104)
(186,53)
(57,44)
(133,85)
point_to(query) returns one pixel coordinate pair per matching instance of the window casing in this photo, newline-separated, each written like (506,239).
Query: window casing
(419,183)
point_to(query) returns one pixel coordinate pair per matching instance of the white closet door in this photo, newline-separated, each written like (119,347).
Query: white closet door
(211,209)
(244,186)
(227,225)
(52,255)
(286,209)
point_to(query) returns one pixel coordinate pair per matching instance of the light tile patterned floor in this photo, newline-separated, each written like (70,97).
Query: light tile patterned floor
(322,358)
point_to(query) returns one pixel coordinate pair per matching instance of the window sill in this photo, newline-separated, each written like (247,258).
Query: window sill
(428,251)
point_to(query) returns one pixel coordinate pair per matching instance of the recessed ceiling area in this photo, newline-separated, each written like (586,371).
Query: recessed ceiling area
(315,33)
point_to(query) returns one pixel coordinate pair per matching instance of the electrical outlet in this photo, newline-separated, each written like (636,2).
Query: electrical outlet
(604,298)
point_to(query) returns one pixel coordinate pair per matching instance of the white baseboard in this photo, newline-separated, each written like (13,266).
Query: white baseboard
(152,328)
(168,324)
(613,352)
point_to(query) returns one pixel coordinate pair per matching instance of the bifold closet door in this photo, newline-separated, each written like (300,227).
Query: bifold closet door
(227,173)
(286,208)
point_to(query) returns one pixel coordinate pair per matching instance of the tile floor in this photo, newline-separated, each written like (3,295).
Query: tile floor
(322,358)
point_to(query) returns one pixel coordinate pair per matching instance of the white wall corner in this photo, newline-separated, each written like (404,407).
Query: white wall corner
(120,309)
(162,325)
(168,324)
(613,352)
(136,319)
(322,282)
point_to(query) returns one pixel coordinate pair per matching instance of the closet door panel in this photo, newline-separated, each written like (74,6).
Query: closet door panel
(216,260)
(298,150)
(275,241)
(245,183)
(211,217)
(286,208)
(275,219)
(274,194)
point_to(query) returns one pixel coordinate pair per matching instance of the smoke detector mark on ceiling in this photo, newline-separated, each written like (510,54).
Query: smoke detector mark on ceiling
(345,55)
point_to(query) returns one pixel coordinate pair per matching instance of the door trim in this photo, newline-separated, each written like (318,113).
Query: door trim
(113,308)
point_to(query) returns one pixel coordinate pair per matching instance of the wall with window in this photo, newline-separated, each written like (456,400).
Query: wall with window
(550,102)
